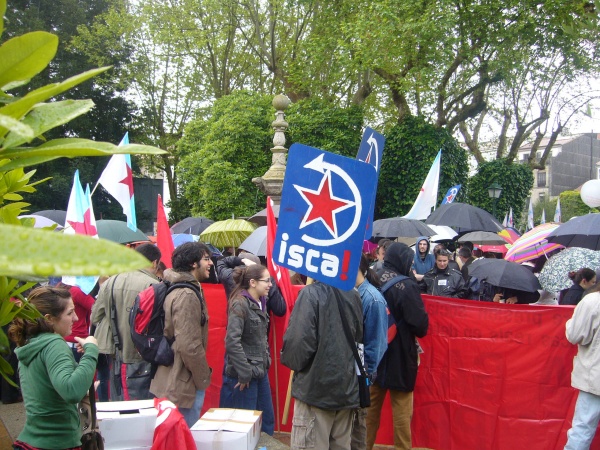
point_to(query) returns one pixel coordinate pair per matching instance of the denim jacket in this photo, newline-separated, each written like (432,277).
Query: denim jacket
(375,325)
(246,344)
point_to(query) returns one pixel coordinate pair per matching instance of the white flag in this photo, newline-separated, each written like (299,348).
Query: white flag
(427,198)
(117,179)
(557,212)
(530,215)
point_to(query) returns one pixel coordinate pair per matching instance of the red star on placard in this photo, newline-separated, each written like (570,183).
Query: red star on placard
(128,180)
(323,205)
(86,226)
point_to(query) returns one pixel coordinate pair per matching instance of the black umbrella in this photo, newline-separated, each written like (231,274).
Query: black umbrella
(55,215)
(506,274)
(191,225)
(583,231)
(463,218)
(260,218)
(400,227)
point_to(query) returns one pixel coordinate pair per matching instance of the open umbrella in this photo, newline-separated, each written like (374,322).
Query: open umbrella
(582,231)
(228,233)
(42,222)
(57,215)
(260,218)
(554,277)
(482,238)
(256,243)
(463,218)
(533,244)
(509,234)
(506,274)
(396,227)
(118,231)
(442,233)
(191,225)
(182,238)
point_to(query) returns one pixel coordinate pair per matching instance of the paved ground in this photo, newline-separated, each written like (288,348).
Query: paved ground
(12,419)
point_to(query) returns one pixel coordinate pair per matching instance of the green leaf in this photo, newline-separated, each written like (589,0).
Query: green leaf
(16,127)
(6,369)
(25,56)
(2,12)
(43,253)
(70,148)
(19,108)
(46,116)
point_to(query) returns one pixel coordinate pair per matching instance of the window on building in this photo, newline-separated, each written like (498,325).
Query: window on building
(541,178)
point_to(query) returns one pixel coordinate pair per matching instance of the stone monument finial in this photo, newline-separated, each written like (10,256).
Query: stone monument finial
(271,183)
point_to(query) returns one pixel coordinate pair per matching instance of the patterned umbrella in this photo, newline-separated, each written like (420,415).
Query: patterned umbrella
(533,244)
(510,235)
(228,233)
(555,274)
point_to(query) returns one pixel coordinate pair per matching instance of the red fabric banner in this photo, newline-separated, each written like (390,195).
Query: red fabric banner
(164,238)
(492,376)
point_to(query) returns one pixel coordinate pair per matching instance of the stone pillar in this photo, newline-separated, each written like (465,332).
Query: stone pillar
(271,182)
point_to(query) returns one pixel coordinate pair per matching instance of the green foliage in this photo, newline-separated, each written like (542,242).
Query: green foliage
(224,150)
(321,124)
(516,181)
(410,149)
(546,205)
(27,251)
(571,205)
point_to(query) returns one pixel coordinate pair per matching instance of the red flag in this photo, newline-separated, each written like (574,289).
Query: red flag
(164,239)
(281,275)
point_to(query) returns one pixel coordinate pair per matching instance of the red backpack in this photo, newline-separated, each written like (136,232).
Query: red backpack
(147,322)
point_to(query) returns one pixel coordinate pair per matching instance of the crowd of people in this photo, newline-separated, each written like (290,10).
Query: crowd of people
(78,337)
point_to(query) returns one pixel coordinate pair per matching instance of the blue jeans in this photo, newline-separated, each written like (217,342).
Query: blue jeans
(256,397)
(191,415)
(585,422)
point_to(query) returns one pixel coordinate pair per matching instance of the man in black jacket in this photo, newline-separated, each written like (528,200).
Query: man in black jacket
(325,384)
(397,371)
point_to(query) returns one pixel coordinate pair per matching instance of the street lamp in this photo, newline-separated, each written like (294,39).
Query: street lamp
(494,191)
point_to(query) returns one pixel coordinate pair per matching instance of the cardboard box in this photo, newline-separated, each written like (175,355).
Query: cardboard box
(127,425)
(227,429)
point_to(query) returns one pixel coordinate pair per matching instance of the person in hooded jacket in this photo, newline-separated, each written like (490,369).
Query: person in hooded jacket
(52,382)
(397,371)
(423,261)
(442,280)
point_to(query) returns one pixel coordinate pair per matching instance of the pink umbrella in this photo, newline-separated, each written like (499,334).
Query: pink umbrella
(533,244)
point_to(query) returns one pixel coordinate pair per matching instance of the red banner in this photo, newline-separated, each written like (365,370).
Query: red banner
(492,376)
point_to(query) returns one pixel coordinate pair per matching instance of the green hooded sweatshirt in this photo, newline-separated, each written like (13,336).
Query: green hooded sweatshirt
(52,383)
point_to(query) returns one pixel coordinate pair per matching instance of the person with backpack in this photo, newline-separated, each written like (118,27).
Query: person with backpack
(186,325)
(375,339)
(397,371)
(110,314)
(246,381)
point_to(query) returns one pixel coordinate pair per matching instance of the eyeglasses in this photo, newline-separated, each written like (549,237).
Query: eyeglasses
(266,280)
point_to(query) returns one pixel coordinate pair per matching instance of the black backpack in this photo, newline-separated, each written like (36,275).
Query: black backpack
(147,322)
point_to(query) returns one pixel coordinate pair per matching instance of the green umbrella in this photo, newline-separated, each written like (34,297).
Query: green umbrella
(118,231)
(228,233)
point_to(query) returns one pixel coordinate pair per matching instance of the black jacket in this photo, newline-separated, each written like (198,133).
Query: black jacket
(398,367)
(444,283)
(573,295)
(316,349)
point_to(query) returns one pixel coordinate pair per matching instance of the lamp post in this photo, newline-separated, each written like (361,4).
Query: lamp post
(494,191)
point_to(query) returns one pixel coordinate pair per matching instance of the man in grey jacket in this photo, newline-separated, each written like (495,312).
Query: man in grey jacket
(325,383)
(119,291)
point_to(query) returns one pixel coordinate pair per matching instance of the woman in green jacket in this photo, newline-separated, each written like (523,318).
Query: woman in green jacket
(52,383)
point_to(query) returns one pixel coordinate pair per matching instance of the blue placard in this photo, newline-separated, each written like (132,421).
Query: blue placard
(325,204)
(371,152)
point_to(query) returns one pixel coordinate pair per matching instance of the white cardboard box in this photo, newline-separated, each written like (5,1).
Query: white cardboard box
(227,429)
(127,425)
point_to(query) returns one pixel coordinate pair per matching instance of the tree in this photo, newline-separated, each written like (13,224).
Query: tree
(231,145)
(27,252)
(571,205)
(516,181)
(410,148)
